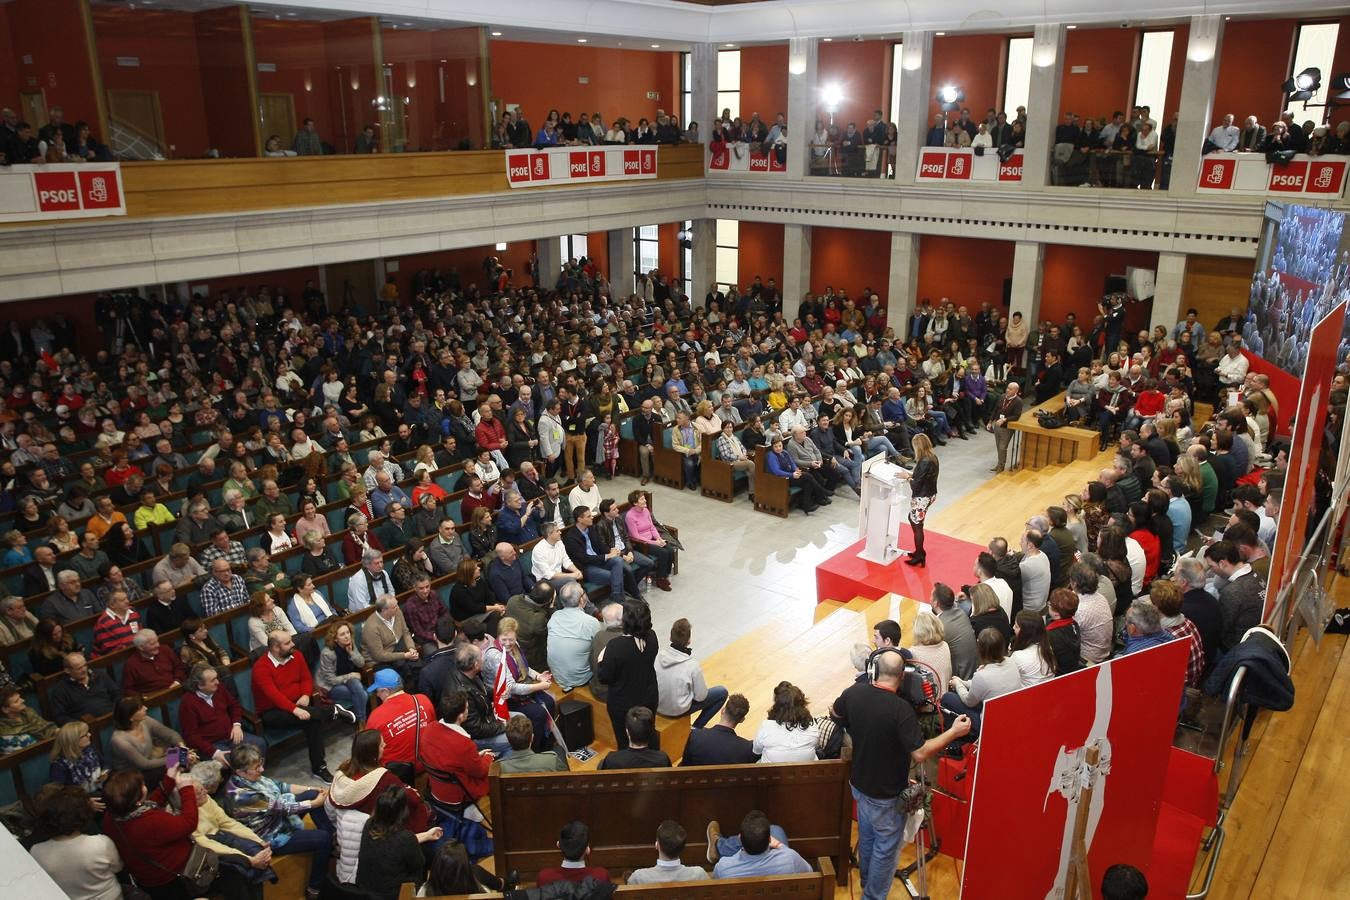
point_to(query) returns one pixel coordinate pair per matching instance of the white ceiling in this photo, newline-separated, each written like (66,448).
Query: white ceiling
(675,25)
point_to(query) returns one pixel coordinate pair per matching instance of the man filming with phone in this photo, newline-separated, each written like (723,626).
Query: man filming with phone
(885,731)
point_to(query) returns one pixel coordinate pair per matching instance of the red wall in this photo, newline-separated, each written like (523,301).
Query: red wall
(229,108)
(764,84)
(1109,55)
(1253,62)
(9,63)
(52,33)
(619,80)
(297,51)
(418,59)
(289,281)
(165,42)
(349,44)
(1072,277)
(968,271)
(974,63)
(1175,74)
(860,71)
(761,253)
(850,260)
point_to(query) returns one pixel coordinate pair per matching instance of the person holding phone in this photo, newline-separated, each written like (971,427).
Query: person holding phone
(140,741)
(884,729)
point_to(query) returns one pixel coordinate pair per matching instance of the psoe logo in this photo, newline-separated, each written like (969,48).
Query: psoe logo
(539,167)
(1326,177)
(632,164)
(1289,178)
(959,167)
(759,162)
(1010,170)
(518,168)
(933,165)
(578,165)
(597,164)
(1217,175)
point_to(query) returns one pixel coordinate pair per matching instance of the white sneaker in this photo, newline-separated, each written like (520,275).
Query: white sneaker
(342,712)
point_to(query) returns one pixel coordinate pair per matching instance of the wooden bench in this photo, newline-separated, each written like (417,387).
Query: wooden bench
(1041,447)
(817,885)
(623,808)
(674,733)
(773,494)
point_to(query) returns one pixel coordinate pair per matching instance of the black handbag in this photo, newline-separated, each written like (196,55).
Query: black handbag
(199,872)
(1049,420)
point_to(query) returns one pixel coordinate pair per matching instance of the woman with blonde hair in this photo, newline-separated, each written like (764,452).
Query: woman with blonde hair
(1074,524)
(75,759)
(425,460)
(986,612)
(930,645)
(923,491)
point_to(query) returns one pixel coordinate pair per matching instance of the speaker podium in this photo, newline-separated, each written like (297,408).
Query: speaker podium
(884,507)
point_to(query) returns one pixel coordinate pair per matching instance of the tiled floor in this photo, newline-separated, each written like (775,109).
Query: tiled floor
(740,569)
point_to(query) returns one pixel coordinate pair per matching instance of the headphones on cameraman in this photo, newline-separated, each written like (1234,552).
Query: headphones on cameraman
(873,662)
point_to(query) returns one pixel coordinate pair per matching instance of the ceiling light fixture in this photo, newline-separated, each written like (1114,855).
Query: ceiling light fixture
(939,33)
(827,40)
(581,40)
(1071,27)
(496,34)
(656,46)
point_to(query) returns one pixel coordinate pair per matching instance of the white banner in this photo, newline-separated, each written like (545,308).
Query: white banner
(61,191)
(961,164)
(569,165)
(1249,173)
(738,157)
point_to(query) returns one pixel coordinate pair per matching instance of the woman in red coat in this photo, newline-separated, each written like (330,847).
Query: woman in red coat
(154,842)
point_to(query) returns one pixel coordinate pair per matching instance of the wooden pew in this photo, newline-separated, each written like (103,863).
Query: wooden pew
(1043,447)
(667,463)
(812,801)
(773,494)
(817,885)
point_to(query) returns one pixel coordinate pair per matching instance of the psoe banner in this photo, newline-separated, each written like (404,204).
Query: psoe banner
(1249,173)
(572,165)
(724,157)
(961,164)
(61,191)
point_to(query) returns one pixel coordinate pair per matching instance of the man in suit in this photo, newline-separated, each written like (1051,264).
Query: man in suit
(596,563)
(40,576)
(1009,410)
(720,745)
(1253,136)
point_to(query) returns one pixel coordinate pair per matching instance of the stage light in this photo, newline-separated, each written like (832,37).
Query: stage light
(1341,86)
(1303,85)
(833,95)
(950,97)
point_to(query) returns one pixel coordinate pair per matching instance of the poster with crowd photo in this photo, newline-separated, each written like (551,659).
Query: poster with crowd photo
(1302,270)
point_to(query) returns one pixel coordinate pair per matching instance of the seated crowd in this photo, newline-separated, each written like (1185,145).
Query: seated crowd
(181,479)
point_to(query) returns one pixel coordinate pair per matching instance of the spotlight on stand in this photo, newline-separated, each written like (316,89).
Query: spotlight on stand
(1340,86)
(950,97)
(833,95)
(1303,85)
(686,239)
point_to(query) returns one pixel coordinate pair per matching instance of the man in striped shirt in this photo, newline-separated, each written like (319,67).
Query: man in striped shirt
(118,624)
(224,591)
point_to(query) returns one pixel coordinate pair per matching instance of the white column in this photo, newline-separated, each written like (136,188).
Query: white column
(1047,72)
(703,87)
(1167,286)
(549,252)
(796,264)
(803,55)
(902,288)
(1196,112)
(916,63)
(1028,257)
(705,259)
(621,262)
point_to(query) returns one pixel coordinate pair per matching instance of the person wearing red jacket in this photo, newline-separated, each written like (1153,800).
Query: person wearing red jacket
(447,750)
(283,691)
(154,843)
(152,668)
(490,435)
(210,717)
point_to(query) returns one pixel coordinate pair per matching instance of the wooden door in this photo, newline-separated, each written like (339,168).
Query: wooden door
(33,108)
(352,282)
(140,112)
(276,115)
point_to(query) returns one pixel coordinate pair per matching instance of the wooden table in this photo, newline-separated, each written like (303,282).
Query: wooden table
(1040,447)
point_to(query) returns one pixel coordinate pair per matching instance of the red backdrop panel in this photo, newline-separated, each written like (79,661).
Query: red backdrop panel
(1073,277)
(1253,62)
(51,32)
(763,85)
(974,63)
(296,55)
(859,70)
(9,63)
(969,271)
(1108,55)
(761,253)
(1310,417)
(619,80)
(850,260)
(1127,707)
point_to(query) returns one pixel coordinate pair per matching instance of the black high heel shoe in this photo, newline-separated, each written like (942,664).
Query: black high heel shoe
(917,561)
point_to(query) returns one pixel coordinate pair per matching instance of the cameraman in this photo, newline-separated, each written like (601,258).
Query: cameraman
(884,730)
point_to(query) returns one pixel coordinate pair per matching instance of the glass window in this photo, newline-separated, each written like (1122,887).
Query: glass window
(572,246)
(686,88)
(1155,61)
(687,259)
(897,71)
(729,81)
(1315,48)
(728,256)
(431,97)
(1017,78)
(645,248)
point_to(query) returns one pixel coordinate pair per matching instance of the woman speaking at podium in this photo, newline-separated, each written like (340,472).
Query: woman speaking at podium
(923,490)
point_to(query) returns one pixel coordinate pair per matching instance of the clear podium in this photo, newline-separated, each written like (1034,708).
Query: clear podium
(883,508)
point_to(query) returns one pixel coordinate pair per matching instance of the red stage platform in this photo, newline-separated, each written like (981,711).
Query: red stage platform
(845,576)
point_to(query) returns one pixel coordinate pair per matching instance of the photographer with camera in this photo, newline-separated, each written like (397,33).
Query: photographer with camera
(885,730)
